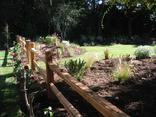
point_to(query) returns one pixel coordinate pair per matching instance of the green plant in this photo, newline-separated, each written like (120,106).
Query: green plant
(66,43)
(106,53)
(66,17)
(90,60)
(76,68)
(143,52)
(122,72)
(48,112)
(50,40)
(15,51)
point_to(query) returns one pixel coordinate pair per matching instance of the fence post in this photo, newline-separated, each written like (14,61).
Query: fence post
(50,74)
(32,55)
(28,50)
(23,39)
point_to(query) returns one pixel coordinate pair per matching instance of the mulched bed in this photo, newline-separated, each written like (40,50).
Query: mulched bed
(137,96)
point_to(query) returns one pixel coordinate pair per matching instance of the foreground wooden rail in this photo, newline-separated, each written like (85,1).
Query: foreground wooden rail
(100,104)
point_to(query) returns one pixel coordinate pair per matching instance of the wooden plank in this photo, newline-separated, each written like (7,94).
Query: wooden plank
(32,56)
(28,50)
(68,106)
(49,73)
(103,106)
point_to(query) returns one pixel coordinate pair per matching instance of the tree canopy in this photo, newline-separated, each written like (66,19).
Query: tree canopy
(79,20)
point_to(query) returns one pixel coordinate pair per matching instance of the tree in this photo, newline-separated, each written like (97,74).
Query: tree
(131,9)
(66,17)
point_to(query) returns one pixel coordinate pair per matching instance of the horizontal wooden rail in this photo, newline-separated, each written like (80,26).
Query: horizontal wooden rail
(102,105)
(68,106)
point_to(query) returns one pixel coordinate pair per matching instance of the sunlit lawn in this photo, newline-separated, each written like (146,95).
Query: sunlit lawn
(97,52)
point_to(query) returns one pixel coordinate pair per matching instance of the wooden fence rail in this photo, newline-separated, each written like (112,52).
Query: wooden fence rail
(100,104)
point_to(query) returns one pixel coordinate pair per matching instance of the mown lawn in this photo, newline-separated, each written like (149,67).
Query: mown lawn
(8,91)
(97,52)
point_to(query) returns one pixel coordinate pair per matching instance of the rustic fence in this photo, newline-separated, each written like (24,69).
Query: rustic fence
(100,104)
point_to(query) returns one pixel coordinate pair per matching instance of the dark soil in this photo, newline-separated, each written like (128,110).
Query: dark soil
(85,109)
(136,96)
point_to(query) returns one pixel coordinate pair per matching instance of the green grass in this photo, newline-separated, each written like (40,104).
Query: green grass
(2,53)
(115,50)
(97,52)
(8,91)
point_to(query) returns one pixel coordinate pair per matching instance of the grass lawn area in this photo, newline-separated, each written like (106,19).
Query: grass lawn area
(97,52)
(8,92)
(2,53)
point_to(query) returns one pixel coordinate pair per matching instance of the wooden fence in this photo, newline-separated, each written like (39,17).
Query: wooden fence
(100,104)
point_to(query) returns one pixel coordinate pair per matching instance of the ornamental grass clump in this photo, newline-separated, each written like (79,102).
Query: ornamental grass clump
(106,54)
(90,60)
(143,52)
(122,72)
(76,68)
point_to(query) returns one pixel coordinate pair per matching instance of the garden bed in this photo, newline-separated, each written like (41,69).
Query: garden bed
(136,96)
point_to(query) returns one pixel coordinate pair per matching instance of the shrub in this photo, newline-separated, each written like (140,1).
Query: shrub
(66,43)
(106,54)
(122,72)
(76,68)
(143,52)
(50,40)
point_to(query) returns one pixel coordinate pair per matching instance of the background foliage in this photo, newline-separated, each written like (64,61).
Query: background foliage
(123,21)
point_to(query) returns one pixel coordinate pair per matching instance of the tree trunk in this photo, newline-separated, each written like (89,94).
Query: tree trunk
(6,45)
(130,20)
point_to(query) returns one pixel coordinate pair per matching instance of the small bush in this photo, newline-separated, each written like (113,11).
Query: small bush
(76,68)
(66,43)
(50,40)
(143,52)
(106,54)
(122,72)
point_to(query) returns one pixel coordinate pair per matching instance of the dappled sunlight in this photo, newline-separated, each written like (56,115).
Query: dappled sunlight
(8,92)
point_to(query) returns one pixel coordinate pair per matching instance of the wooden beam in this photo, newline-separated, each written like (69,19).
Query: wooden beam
(32,55)
(28,50)
(103,106)
(68,106)
(49,73)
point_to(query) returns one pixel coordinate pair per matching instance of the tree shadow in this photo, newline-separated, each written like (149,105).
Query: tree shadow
(5,58)
(8,96)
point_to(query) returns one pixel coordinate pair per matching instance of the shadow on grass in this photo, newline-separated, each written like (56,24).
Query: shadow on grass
(5,58)
(8,96)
